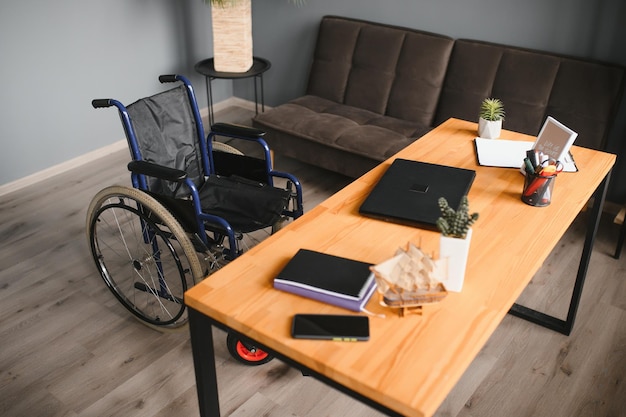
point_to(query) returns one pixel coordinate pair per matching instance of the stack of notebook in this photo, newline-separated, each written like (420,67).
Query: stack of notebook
(331,279)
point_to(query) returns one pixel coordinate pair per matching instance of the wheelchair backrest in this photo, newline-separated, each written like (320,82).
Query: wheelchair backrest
(166,134)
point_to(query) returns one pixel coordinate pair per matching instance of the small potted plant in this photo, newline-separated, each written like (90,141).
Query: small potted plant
(456,235)
(490,118)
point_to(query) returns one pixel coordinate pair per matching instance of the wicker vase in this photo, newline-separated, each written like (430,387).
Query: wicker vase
(232,36)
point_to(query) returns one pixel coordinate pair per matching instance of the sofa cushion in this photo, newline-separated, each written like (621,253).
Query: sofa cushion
(532,85)
(419,77)
(478,70)
(372,73)
(332,60)
(585,97)
(340,126)
(388,70)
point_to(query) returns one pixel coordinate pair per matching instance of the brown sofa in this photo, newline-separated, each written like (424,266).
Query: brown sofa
(375,88)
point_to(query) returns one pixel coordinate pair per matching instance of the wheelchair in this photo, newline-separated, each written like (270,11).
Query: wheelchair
(195,204)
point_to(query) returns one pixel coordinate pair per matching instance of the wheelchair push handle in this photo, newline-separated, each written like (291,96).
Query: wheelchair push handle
(168,78)
(108,102)
(101,103)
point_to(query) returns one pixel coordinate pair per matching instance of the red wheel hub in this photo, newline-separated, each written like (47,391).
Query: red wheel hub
(251,355)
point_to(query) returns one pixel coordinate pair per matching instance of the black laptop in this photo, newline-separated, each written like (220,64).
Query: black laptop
(408,192)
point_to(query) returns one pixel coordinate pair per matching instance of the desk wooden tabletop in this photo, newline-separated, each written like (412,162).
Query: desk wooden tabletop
(409,364)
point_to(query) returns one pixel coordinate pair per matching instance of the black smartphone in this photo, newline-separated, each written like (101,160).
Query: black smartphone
(331,327)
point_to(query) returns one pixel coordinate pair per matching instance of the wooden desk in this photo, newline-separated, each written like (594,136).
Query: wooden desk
(410,364)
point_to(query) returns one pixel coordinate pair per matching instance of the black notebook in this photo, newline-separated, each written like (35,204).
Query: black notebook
(331,279)
(408,192)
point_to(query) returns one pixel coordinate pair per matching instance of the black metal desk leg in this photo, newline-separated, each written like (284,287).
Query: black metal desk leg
(553,323)
(620,241)
(201,329)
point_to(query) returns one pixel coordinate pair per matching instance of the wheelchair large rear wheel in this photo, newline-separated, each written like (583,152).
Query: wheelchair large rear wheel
(143,255)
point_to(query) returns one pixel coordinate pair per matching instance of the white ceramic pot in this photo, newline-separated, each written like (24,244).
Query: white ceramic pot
(488,129)
(453,253)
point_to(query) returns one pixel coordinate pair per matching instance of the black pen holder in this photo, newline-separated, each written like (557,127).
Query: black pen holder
(538,189)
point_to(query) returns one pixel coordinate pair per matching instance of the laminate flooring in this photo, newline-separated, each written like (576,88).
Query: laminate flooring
(67,348)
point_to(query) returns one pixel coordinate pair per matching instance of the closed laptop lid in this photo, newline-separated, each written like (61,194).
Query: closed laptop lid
(408,192)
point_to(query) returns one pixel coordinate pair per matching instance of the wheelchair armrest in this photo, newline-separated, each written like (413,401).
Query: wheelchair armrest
(237,130)
(158,171)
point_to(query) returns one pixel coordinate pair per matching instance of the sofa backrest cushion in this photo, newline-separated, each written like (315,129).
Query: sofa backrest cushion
(581,94)
(385,69)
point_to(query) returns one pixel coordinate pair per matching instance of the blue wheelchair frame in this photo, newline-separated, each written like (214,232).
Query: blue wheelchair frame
(141,169)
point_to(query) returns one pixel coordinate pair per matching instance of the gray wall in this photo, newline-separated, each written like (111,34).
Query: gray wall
(285,34)
(57,56)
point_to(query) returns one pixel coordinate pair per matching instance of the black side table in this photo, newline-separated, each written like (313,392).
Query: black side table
(207,68)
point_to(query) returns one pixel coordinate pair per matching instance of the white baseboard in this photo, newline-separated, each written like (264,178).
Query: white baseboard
(230,102)
(107,150)
(62,167)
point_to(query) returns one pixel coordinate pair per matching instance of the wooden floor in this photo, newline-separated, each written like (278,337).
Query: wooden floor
(68,349)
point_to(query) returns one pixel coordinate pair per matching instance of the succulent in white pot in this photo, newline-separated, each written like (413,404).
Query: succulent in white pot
(454,242)
(490,118)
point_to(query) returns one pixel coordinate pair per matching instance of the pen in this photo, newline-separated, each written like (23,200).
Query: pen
(529,167)
(534,186)
(531,155)
(537,161)
(544,175)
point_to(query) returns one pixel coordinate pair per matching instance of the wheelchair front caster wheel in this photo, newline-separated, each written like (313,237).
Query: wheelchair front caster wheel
(244,351)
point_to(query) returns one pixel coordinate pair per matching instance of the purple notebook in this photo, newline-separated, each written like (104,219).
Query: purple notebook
(327,278)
